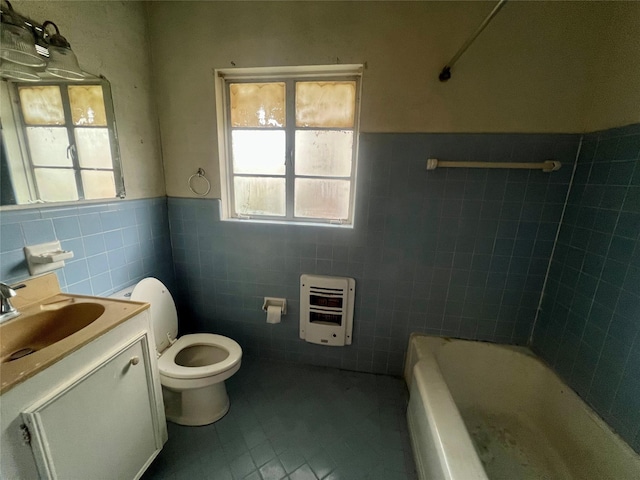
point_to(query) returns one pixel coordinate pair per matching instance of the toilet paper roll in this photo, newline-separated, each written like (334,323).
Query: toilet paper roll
(274,314)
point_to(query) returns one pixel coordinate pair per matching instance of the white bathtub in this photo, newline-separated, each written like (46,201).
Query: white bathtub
(479,410)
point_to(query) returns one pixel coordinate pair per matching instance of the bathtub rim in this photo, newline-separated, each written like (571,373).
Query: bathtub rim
(429,347)
(456,456)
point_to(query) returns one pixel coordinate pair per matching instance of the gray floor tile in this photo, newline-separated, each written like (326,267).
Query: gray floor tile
(303,473)
(322,464)
(262,453)
(297,422)
(242,466)
(272,470)
(222,473)
(291,459)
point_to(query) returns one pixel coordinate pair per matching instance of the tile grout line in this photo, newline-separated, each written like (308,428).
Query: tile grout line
(555,242)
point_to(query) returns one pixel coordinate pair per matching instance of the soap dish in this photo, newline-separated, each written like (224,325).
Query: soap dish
(52,257)
(46,257)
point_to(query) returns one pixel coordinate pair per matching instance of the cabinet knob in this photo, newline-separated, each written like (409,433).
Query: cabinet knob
(134,360)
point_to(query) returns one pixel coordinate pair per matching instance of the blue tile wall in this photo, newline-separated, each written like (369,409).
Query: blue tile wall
(588,327)
(454,252)
(115,244)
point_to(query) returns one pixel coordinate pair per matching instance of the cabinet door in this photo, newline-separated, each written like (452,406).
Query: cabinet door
(102,424)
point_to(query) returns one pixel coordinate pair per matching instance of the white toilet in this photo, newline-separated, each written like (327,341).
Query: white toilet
(193,368)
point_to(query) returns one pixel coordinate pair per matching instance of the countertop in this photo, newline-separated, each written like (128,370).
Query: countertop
(42,294)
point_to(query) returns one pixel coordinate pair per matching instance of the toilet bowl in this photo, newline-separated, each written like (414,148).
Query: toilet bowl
(192,368)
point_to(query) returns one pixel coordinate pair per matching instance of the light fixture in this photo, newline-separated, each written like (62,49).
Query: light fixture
(26,47)
(62,61)
(18,46)
(17,71)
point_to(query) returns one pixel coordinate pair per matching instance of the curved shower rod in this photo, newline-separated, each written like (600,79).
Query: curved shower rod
(445,74)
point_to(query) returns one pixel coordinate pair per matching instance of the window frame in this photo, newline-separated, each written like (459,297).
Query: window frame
(289,76)
(25,147)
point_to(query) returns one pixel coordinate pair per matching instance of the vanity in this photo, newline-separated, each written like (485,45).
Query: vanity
(80,393)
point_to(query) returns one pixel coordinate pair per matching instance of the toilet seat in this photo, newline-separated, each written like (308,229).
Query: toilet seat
(164,320)
(169,368)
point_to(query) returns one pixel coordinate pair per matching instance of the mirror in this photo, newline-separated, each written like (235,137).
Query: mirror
(58,142)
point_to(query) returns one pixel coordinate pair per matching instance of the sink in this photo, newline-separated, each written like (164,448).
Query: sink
(53,325)
(31,333)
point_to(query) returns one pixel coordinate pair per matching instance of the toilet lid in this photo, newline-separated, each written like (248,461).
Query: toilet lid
(164,319)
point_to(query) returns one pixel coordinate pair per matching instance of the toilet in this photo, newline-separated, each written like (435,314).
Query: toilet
(192,368)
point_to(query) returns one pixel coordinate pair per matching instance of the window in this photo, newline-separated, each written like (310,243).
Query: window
(67,140)
(288,143)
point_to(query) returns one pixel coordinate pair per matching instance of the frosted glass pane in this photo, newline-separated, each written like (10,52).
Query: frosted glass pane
(259,196)
(56,185)
(258,151)
(48,146)
(41,105)
(325,104)
(257,104)
(94,149)
(322,198)
(87,105)
(98,184)
(324,152)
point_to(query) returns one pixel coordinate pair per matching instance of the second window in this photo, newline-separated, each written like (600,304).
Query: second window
(290,147)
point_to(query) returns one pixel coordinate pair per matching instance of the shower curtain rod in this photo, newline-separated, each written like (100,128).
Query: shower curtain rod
(546,166)
(445,74)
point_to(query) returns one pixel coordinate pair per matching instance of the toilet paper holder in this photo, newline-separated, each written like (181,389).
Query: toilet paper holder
(275,302)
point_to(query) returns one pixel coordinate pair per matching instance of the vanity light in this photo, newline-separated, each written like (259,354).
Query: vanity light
(18,45)
(19,72)
(26,47)
(62,61)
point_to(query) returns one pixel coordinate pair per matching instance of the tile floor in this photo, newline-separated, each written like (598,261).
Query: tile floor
(297,422)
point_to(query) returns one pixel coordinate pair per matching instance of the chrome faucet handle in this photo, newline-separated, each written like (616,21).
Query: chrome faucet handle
(6,292)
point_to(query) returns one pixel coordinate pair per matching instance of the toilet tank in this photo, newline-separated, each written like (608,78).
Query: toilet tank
(124,294)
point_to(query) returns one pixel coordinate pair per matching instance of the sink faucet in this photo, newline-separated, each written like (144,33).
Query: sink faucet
(8,311)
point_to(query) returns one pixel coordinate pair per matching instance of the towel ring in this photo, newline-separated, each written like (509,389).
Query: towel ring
(199,174)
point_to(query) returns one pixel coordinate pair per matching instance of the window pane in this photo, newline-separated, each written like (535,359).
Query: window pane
(94,148)
(325,104)
(48,146)
(56,184)
(324,152)
(87,105)
(97,184)
(257,104)
(316,198)
(41,105)
(259,195)
(258,151)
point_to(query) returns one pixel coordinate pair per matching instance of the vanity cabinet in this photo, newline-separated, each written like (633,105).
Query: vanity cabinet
(108,409)
(96,413)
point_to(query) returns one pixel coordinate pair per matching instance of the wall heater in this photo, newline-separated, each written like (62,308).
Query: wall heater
(326,309)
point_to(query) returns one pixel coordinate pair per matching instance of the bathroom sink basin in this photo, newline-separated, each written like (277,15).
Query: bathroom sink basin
(31,333)
(53,325)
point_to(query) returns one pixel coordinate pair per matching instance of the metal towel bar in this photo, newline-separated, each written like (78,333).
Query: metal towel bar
(547,166)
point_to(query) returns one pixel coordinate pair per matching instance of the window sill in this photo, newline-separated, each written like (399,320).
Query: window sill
(285,222)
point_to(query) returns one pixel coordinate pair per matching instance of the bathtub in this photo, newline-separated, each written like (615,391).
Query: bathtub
(485,411)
